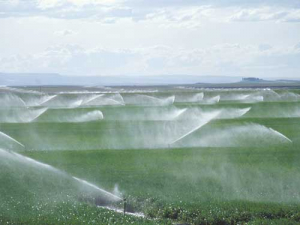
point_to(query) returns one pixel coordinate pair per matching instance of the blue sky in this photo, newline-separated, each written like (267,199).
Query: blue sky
(151,37)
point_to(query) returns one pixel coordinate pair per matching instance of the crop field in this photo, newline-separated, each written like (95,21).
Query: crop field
(178,155)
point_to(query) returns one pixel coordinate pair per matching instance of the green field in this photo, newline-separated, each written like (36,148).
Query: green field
(227,160)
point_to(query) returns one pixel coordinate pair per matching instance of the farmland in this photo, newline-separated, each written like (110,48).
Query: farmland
(194,156)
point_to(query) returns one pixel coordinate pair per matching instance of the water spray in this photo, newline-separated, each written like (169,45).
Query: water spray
(111,195)
(11,139)
(280,134)
(187,134)
(214,115)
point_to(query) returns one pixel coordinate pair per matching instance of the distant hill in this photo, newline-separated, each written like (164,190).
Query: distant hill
(44,79)
(52,79)
(20,79)
(253,79)
(252,82)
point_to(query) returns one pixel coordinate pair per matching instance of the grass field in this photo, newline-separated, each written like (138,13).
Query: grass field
(191,161)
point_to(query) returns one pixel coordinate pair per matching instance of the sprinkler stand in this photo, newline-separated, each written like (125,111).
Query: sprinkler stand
(125,203)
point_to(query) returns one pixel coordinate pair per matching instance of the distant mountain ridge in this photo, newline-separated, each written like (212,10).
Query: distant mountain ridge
(53,79)
(253,79)
(42,79)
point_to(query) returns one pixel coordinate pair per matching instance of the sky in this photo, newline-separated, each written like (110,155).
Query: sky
(259,38)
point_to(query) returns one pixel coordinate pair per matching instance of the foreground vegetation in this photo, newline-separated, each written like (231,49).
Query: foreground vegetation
(168,186)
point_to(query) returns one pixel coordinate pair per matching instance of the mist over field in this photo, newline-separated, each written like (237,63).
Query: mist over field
(156,147)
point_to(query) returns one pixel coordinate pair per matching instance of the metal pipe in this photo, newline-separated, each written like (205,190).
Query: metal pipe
(125,204)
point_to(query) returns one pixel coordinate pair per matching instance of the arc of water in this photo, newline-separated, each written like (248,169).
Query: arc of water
(97,188)
(239,113)
(48,99)
(215,99)
(51,168)
(41,112)
(190,132)
(92,99)
(76,103)
(151,97)
(197,127)
(90,116)
(245,111)
(161,101)
(271,91)
(12,139)
(171,97)
(120,103)
(244,97)
(180,113)
(123,102)
(280,134)
(24,103)
(19,90)
(198,97)
(36,162)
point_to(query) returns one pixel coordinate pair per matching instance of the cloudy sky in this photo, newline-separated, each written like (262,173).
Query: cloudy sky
(151,37)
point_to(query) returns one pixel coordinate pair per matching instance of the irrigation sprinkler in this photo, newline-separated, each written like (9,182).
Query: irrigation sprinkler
(124,204)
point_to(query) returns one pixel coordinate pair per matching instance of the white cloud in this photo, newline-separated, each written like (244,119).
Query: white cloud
(267,14)
(150,37)
(44,4)
(64,32)
(190,17)
(217,3)
(226,59)
(64,9)
(175,12)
